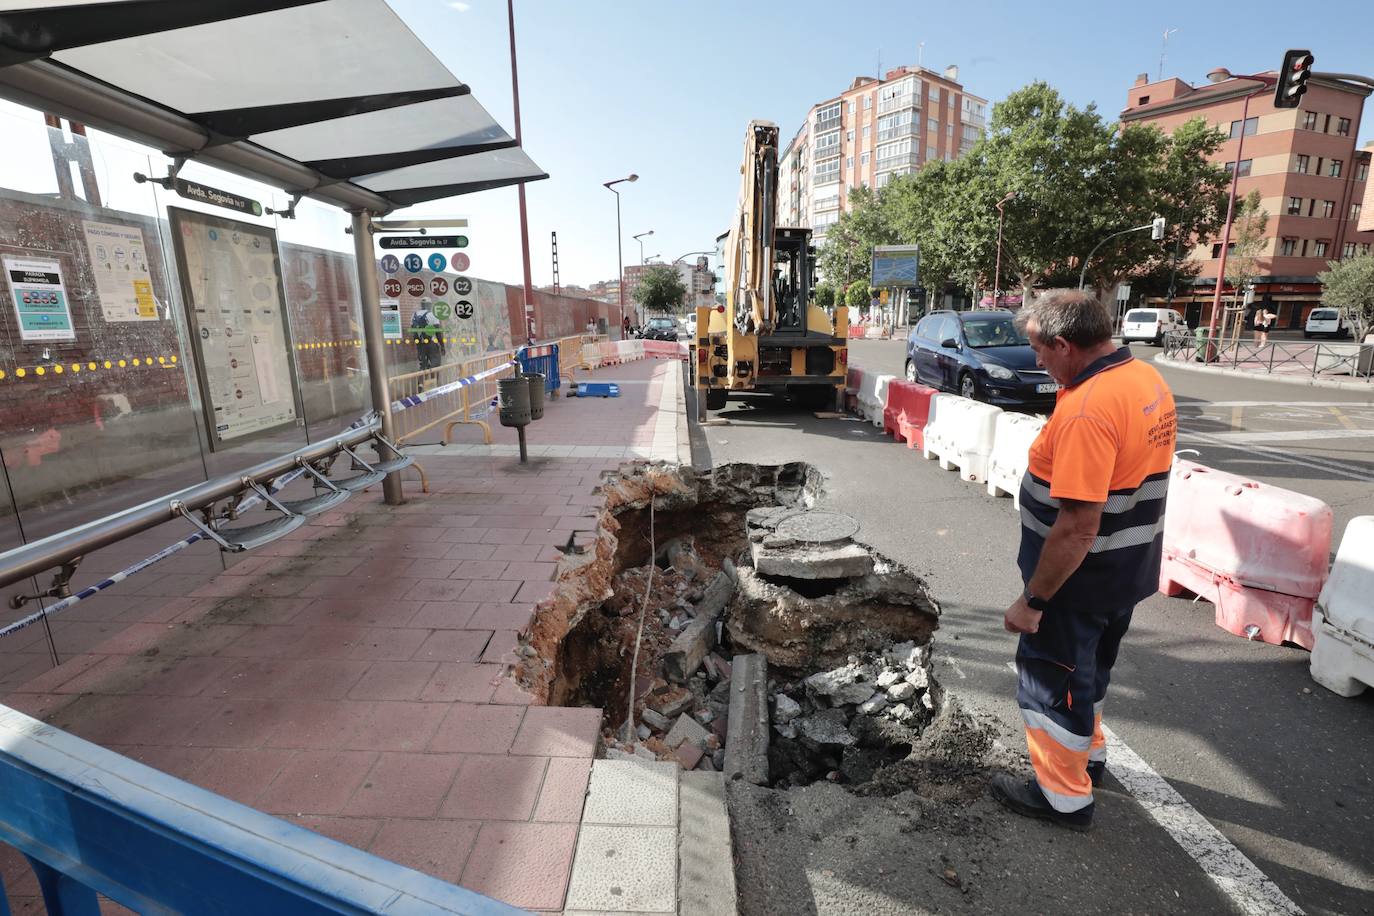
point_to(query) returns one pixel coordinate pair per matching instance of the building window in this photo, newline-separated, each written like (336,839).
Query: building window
(932,124)
(1216,249)
(827,172)
(1244,167)
(1355,213)
(851,106)
(828,144)
(1319,248)
(1335,171)
(1143,100)
(1251,125)
(1309,120)
(949,130)
(868,101)
(1348,250)
(1289,248)
(934,92)
(1343,127)
(1304,248)
(863,160)
(1362,171)
(1295,206)
(1326,125)
(865,133)
(1302,165)
(1328,209)
(849,162)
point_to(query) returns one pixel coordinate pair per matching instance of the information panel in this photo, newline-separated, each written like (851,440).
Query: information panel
(119,261)
(40,299)
(895,266)
(231,280)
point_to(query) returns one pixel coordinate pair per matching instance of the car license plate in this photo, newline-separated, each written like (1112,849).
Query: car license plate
(1046,388)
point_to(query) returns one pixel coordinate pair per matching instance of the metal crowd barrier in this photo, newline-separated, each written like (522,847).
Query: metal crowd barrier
(1284,357)
(541,359)
(454,393)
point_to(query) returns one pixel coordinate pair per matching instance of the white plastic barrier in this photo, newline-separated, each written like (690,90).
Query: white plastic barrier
(873,397)
(628,350)
(960,433)
(1011,444)
(591,354)
(1343,619)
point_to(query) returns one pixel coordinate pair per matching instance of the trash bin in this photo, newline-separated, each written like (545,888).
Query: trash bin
(1200,335)
(536,381)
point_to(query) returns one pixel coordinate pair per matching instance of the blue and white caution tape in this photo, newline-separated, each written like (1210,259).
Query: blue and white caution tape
(413,400)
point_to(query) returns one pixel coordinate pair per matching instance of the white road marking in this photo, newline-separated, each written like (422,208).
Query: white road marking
(1353,472)
(1294,435)
(1250,889)
(1205,404)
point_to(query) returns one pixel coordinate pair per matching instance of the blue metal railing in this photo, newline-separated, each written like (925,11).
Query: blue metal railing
(542,358)
(92,822)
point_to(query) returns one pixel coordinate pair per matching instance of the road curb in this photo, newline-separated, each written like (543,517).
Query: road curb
(1344,384)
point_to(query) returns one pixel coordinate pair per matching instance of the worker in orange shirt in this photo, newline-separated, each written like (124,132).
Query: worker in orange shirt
(1092,521)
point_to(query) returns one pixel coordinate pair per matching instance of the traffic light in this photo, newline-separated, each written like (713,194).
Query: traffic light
(1293,77)
(1157,228)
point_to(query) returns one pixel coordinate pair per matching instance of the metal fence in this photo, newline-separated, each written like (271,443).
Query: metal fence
(457,404)
(1291,358)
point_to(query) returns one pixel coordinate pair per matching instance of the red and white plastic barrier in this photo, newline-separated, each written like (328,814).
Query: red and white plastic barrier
(960,434)
(1343,620)
(908,412)
(664,349)
(1257,552)
(853,381)
(1011,443)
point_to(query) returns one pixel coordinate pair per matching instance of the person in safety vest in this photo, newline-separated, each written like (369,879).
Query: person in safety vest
(1092,521)
(429,336)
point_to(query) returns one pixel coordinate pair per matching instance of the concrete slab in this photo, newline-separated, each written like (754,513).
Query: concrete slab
(706,865)
(625,869)
(632,792)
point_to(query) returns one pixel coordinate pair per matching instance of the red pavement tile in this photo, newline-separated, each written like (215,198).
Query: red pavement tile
(54,678)
(484,590)
(565,789)
(223,586)
(317,782)
(501,649)
(481,569)
(388,612)
(437,848)
(474,729)
(466,551)
(236,723)
(510,693)
(443,615)
(181,762)
(533,571)
(240,773)
(394,680)
(406,549)
(525,865)
(465,682)
(520,553)
(505,536)
(558,731)
(319,724)
(36,705)
(405,785)
(534,592)
(182,677)
(436,589)
(396,726)
(264,641)
(454,646)
(383,566)
(495,788)
(549,537)
(354,587)
(496,616)
(138,637)
(357,832)
(464,536)
(431,569)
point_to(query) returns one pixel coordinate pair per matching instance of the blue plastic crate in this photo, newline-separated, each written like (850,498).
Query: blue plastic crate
(596,390)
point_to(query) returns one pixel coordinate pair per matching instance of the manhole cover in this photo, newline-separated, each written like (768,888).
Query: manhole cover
(818,527)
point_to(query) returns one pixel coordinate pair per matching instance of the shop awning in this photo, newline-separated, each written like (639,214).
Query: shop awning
(337,99)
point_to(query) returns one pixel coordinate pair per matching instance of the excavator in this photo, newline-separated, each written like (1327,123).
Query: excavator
(769,335)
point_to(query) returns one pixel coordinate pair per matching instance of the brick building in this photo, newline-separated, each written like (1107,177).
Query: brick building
(1306,165)
(872,132)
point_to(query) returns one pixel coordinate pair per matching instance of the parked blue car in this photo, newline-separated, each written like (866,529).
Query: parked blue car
(980,355)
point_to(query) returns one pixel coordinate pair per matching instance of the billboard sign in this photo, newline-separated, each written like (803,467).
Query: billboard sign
(895,266)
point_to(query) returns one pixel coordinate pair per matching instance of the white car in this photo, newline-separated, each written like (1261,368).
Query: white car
(1151,324)
(689,324)
(1325,323)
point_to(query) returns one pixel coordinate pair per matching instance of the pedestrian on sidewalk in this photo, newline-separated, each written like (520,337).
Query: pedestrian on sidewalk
(1092,510)
(429,336)
(1264,320)
(625,328)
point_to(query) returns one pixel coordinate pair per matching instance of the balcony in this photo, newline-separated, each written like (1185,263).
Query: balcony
(910,160)
(898,102)
(910,129)
(828,124)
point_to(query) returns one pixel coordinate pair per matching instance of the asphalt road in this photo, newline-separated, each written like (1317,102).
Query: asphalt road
(1283,768)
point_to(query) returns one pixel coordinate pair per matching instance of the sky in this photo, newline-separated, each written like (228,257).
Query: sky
(665,90)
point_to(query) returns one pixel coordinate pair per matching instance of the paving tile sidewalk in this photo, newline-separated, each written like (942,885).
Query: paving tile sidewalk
(353,677)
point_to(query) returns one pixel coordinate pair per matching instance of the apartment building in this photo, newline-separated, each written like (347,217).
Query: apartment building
(1305,162)
(872,132)
(697,278)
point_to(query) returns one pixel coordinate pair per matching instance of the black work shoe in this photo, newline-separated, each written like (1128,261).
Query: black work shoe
(1097,769)
(1024,797)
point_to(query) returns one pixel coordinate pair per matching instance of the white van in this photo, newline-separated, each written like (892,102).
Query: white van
(1325,323)
(1151,325)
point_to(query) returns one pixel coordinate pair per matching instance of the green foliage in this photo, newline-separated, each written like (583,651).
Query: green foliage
(1077,179)
(825,294)
(1247,235)
(660,287)
(858,294)
(1348,285)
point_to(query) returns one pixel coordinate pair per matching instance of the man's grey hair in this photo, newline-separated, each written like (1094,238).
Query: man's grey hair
(1072,314)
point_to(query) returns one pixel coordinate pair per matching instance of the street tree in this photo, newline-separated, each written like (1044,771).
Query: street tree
(1247,238)
(825,294)
(660,288)
(858,294)
(1348,285)
(846,255)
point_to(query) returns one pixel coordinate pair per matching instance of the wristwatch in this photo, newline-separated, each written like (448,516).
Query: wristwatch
(1034,603)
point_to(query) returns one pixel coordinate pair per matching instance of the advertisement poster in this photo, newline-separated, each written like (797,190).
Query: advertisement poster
(40,299)
(237,320)
(119,263)
(391,319)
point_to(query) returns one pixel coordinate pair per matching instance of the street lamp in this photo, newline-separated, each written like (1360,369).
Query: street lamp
(1221,74)
(997,271)
(1156,228)
(619,254)
(640,239)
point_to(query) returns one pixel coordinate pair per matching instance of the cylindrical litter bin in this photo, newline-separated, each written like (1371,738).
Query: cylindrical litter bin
(536,382)
(515,401)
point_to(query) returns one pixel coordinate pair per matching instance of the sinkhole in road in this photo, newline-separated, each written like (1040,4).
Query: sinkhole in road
(697,567)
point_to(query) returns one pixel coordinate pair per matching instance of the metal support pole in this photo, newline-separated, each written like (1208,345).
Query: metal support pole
(1226,234)
(374,342)
(619,258)
(524,220)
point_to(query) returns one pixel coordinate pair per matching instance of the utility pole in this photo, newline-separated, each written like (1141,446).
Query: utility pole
(524,220)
